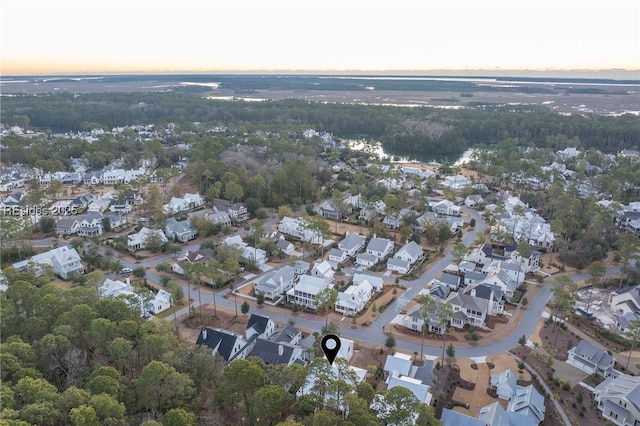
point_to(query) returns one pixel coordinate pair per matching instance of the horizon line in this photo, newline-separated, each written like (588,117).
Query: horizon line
(468,71)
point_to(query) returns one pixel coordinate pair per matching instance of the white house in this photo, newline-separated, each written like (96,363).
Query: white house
(305,291)
(468,309)
(376,282)
(366,260)
(590,358)
(351,244)
(322,269)
(139,241)
(63,260)
(398,265)
(379,247)
(410,252)
(337,256)
(275,283)
(456,182)
(619,399)
(354,298)
(446,207)
(299,228)
(229,345)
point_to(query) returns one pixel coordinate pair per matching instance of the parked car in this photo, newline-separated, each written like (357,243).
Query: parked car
(126,270)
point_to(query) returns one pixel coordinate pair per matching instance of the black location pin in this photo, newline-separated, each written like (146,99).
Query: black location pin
(330,346)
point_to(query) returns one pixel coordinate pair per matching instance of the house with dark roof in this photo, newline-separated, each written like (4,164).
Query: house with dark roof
(590,358)
(259,326)
(288,334)
(468,309)
(193,256)
(275,353)
(226,343)
(450,280)
(492,294)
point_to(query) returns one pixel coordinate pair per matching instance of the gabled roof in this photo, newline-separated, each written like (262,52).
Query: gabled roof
(351,241)
(469,302)
(398,363)
(590,352)
(379,244)
(412,248)
(218,340)
(450,279)
(454,418)
(258,323)
(286,334)
(273,352)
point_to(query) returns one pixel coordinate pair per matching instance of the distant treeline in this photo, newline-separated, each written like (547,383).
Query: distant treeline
(423,129)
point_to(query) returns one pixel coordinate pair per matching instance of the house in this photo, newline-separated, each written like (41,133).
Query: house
(354,298)
(322,268)
(67,225)
(504,384)
(90,225)
(337,256)
(354,377)
(139,241)
(468,309)
(450,280)
(417,388)
(398,265)
(376,282)
(346,349)
(301,267)
(528,402)
(181,231)
(93,178)
(590,358)
(63,260)
(619,399)
(122,290)
(474,200)
(277,353)
(492,294)
(397,365)
(494,414)
(160,303)
(229,345)
(299,228)
(352,244)
(625,301)
(455,418)
(410,252)
(329,210)
(115,221)
(238,212)
(259,326)
(288,334)
(275,283)
(248,253)
(215,216)
(366,260)
(100,205)
(447,208)
(305,291)
(379,247)
(456,182)
(200,256)
(285,246)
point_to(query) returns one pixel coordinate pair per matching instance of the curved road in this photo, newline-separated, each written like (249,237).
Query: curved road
(373,334)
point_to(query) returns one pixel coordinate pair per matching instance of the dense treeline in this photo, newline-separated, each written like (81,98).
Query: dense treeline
(402,129)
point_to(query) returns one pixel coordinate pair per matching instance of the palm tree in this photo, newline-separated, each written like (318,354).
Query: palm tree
(445,312)
(632,333)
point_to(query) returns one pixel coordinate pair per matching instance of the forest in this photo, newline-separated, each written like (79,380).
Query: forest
(423,129)
(68,357)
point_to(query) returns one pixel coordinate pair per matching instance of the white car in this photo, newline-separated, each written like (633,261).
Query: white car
(126,270)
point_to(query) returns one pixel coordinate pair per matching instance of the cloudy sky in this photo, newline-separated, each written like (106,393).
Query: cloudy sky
(84,36)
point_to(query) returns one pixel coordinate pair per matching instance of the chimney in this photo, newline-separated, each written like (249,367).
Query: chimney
(473,292)
(128,281)
(280,350)
(204,333)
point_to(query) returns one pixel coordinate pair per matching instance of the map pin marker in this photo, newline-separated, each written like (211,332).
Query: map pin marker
(330,346)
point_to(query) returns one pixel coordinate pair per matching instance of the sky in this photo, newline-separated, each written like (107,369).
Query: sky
(96,36)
